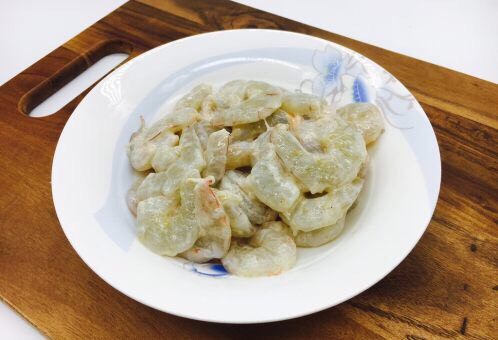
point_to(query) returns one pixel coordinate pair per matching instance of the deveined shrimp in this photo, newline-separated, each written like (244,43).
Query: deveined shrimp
(203,129)
(191,157)
(271,184)
(140,150)
(163,227)
(131,195)
(305,131)
(365,117)
(239,154)
(318,237)
(248,155)
(216,154)
(208,107)
(164,157)
(314,213)
(231,94)
(303,104)
(215,230)
(239,222)
(155,146)
(262,100)
(168,182)
(258,213)
(185,113)
(269,252)
(150,186)
(145,141)
(247,132)
(250,131)
(195,98)
(258,146)
(343,153)
(245,153)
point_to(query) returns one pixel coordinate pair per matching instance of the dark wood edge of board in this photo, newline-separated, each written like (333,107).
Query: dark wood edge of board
(69,71)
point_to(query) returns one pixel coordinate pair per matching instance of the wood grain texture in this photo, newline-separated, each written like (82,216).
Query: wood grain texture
(446,288)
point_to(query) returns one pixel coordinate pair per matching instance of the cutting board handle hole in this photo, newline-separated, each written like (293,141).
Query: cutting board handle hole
(72,79)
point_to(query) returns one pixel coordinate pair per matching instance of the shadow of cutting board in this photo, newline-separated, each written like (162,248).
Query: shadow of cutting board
(446,288)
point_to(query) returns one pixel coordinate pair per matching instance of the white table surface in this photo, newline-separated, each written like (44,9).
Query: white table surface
(458,34)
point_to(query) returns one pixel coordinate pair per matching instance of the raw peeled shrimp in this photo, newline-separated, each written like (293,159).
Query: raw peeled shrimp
(259,145)
(305,131)
(131,195)
(239,154)
(195,98)
(278,117)
(319,237)
(344,151)
(215,232)
(140,150)
(174,122)
(239,222)
(145,141)
(191,157)
(307,166)
(203,129)
(243,154)
(150,186)
(269,252)
(247,132)
(250,131)
(231,94)
(163,227)
(216,154)
(208,107)
(319,212)
(184,114)
(271,184)
(262,100)
(365,117)
(258,213)
(164,157)
(303,104)
(168,182)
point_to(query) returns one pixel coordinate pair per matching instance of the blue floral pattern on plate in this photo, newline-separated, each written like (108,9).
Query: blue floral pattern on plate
(207,269)
(360,91)
(329,65)
(342,78)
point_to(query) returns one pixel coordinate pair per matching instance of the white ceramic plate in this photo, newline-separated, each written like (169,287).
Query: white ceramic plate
(91,175)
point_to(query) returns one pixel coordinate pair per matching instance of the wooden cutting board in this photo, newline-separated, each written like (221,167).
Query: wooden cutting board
(446,288)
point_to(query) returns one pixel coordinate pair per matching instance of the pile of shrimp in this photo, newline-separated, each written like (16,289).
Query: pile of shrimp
(246,174)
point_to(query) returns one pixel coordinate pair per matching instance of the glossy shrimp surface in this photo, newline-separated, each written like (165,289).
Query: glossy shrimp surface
(256,211)
(239,154)
(215,232)
(247,173)
(270,251)
(239,222)
(319,237)
(271,184)
(303,104)
(366,118)
(166,226)
(314,213)
(140,149)
(344,152)
(259,101)
(216,154)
